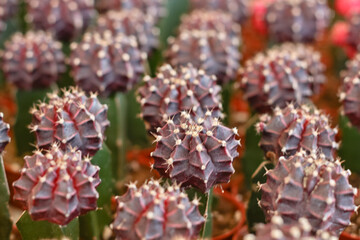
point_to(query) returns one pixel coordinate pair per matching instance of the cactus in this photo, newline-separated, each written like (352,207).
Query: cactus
(296,21)
(349,96)
(131,22)
(155,8)
(276,229)
(210,41)
(154,212)
(196,153)
(309,186)
(107,64)
(175,90)
(239,9)
(8,10)
(67,20)
(4,133)
(285,73)
(33,60)
(292,129)
(72,120)
(57,186)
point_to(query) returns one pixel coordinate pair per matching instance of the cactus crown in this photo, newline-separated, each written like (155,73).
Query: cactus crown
(292,129)
(57,186)
(131,23)
(71,120)
(309,186)
(285,73)
(175,90)
(297,21)
(239,9)
(107,63)
(210,41)
(33,60)
(154,212)
(4,133)
(198,153)
(73,19)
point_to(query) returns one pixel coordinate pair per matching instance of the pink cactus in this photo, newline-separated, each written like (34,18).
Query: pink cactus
(4,133)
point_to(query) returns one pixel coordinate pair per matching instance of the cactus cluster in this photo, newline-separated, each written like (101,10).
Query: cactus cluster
(291,129)
(67,20)
(175,90)
(210,40)
(297,21)
(349,92)
(106,63)
(57,186)
(283,74)
(155,212)
(72,120)
(196,153)
(310,186)
(33,60)
(131,23)
(155,8)
(239,9)
(8,9)
(4,133)
(276,229)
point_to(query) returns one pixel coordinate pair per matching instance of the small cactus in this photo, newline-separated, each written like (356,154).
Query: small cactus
(106,64)
(210,40)
(349,93)
(57,186)
(67,20)
(291,129)
(72,120)
(8,10)
(296,21)
(175,90)
(285,73)
(131,22)
(309,186)
(155,8)
(4,133)
(153,212)
(239,9)
(276,229)
(33,60)
(196,153)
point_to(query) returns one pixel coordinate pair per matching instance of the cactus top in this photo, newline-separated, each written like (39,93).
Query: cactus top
(239,9)
(291,129)
(309,186)
(57,186)
(72,120)
(175,90)
(277,229)
(282,74)
(4,133)
(153,212)
(297,21)
(198,153)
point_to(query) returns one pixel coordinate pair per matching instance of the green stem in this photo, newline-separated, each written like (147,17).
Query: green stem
(121,104)
(208,218)
(5,221)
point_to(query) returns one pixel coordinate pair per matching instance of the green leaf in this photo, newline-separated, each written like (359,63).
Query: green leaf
(25,100)
(253,156)
(34,230)
(5,222)
(349,145)
(92,224)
